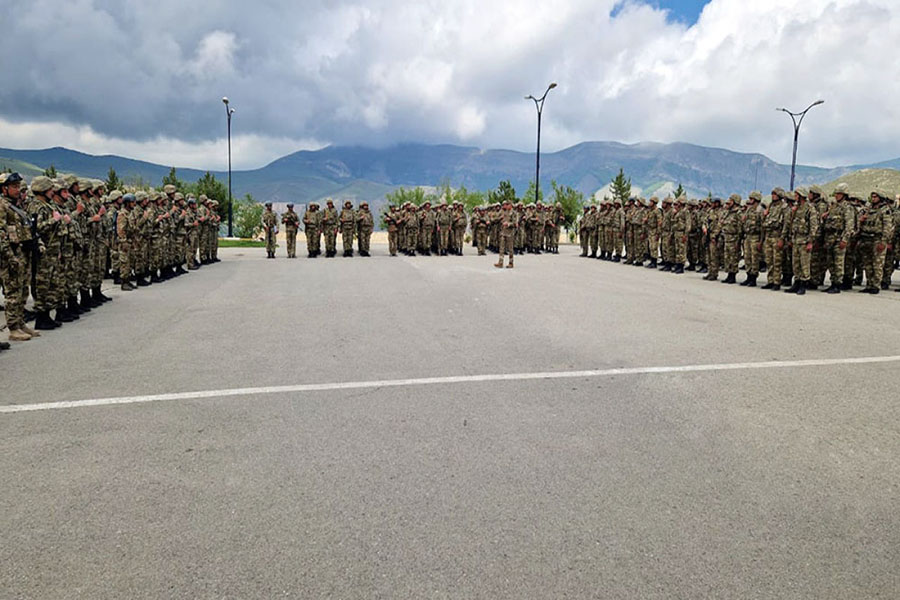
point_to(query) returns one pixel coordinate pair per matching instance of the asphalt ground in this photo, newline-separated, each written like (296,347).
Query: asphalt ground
(726,482)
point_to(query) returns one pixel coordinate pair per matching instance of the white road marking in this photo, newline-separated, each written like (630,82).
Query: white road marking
(354,385)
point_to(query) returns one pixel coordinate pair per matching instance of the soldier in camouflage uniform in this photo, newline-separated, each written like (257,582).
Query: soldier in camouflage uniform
(584,231)
(291,222)
(270,228)
(731,230)
(460,223)
(773,240)
(817,261)
(889,256)
(347,220)
(875,232)
(14,263)
(480,229)
(666,238)
(444,221)
(838,224)
(329,228)
(752,229)
(365,224)
(653,218)
(804,227)
(125,233)
(681,231)
(312,225)
(713,232)
(509,224)
(638,231)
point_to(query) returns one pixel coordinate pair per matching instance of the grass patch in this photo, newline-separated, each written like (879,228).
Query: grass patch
(223,243)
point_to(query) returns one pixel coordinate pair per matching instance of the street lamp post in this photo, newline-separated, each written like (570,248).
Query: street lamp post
(797,123)
(539,105)
(228,112)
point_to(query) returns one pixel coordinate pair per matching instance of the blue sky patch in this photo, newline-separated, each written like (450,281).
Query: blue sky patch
(683,11)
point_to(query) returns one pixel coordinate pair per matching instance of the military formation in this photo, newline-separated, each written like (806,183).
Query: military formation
(800,239)
(61,237)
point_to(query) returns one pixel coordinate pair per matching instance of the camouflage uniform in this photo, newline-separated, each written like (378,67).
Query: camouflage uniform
(291,222)
(348,227)
(270,227)
(875,231)
(681,230)
(509,225)
(773,240)
(329,228)
(312,224)
(752,229)
(837,229)
(365,224)
(804,225)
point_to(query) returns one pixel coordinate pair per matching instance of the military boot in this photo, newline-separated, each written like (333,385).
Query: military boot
(85,303)
(617,258)
(44,322)
(834,289)
(98,293)
(73,308)
(652,264)
(691,267)
(127,287)
(154,278)
(730,279)
(702,268)
(746,282)
(752,280)
(62,314)
(679,269)
(95,297)
(29,330)
(499,264)
(17,335)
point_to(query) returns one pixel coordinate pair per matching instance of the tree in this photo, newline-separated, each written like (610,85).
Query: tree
(528,198)
(680,191)
(247,217)
(50,172)
(112,180)
(468,199)
(571,200)
(504,192)
(621,187)
(401,196)
(172,179)
(213,189)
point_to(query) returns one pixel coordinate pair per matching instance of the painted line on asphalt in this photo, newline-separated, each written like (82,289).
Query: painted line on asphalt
(425,381)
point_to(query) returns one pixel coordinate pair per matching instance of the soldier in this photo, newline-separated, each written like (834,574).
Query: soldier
(158,218)
(752,228)
(666,237)
(392,220)
(365,224)
(641,209)
(681,229)
(460,223)
(444,222)
(652,222)
(270,228)
(890,213)
(203,216)
(348,227)
(291,222)
(731,229)
(192,233)
(125,223)
(817,262)
(410,229)
(804,224)
(480,228)
(426,228)
(509,224)
(47,221)
(787,261)
(329,228)
(875,230)
(14,263)
(838,229)
(773,239)
(312,223)
(584,231)
(713,232)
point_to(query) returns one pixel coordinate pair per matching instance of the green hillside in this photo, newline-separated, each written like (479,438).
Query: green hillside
(21,167)
(865,180)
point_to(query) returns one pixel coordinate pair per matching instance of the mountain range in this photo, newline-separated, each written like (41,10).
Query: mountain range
(359,173)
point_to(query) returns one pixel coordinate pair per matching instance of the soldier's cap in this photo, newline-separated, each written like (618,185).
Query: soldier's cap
(736,198)
(192,200)
(214,203)
(169,188)
(98,184)
(129,197)
(814,189)
(10,178)
(755,195)
(593,207)
(141,196)
(348,203)
(693,202)
(268,204)
(681,199)
(778,192)
(841,188)
(366,204)
(330,201)
(69,180)
(85,184)
(41,184)
(179,196)
(802,192)
(290,205)
(666,200)
(114,195)
(717,199)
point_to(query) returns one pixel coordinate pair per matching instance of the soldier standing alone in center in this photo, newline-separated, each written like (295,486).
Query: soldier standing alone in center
(509,225)
(270,226)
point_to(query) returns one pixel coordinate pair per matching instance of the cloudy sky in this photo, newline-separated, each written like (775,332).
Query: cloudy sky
(145,79)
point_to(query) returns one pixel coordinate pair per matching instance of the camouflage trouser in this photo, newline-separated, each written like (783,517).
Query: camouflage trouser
(585,238)
(773,260)
(667,247)
(752,254)
(347,238)
(507,247)
(393,242)
(618,243)
(693,250)
(202,243)
(653,245)
(481,235)
(180,249)
(15,274)
(629,245)
(125,260)
(270,242)
(716,256)
(84,265)
(731,252)
(787,262)
(873,260)
(190,248)
(330,240)
(410,238)
(73,266)
(363,237)
(888,265)
(156,253)
(594,237)
(291,235)
(680,243)
(834,259)
(800,259)
(524,235)
(444,239)
(214,234)
(45,279)
(818,262)
(312,238)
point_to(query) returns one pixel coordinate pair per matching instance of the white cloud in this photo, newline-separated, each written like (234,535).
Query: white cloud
(455,71)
